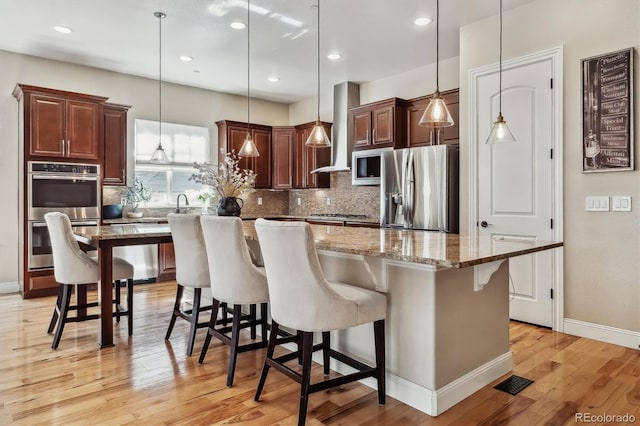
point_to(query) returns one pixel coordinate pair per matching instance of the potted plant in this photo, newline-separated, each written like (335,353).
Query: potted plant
(134,195)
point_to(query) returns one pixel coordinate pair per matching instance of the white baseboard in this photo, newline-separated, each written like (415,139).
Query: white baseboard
(9,287)
(426,400)
(603,333)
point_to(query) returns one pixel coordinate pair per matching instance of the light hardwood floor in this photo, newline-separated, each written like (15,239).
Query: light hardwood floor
(145,380)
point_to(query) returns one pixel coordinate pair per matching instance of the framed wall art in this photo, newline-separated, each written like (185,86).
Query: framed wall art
(607,112)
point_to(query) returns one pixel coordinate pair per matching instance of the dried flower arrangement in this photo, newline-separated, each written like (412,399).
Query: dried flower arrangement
(226,178)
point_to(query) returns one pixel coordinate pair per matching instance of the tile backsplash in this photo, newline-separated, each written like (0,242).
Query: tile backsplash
(343,198)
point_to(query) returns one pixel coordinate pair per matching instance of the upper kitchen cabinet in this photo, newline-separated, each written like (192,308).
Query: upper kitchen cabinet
(115,144)
(283,143)
(60,125)
(379,124)
(418,135)
(308,158)
(231,135)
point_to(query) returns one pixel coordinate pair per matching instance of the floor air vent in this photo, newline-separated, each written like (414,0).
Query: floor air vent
(513,384)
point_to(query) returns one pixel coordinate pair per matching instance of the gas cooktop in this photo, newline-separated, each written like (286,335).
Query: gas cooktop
(345,215)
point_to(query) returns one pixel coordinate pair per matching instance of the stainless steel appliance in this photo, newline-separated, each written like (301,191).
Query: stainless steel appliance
(419,188)
(69,188)
(365,166)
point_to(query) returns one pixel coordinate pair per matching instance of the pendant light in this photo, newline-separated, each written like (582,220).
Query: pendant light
(248,148)
(159,155)
(500,131)
(318,136)
(437,114)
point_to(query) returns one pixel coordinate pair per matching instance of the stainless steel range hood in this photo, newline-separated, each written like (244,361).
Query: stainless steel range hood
(345,95)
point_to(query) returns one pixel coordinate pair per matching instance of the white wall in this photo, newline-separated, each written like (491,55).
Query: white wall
(602,250)
(180,104)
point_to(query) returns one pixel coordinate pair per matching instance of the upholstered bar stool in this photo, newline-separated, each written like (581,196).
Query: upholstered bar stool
(72,266)
(235,280)
(302,299)
(192,271)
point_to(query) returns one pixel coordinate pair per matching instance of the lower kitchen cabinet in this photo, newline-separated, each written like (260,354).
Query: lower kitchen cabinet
(166,262)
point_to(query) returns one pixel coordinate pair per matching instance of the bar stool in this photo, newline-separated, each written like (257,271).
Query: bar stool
(191,271)
(73,267)
(302,299)
(235,280)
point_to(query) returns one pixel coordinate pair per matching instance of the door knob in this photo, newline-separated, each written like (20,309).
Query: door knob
(484,224)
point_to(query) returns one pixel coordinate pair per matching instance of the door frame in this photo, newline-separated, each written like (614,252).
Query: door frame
(555,55)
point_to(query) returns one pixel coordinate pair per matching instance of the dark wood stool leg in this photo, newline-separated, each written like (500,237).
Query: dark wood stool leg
(252,314)
(235,338)
(263,321)
(116,283)
(129,305)
(378,330)
(326,345)
(224,312)
(176,310)
(56,309)
(64,310)
(307,352)
(212,325)
(265,367)
(195,313)
(299,343)
(81,300)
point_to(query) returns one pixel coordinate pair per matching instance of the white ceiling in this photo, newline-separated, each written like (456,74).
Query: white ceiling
(376,38)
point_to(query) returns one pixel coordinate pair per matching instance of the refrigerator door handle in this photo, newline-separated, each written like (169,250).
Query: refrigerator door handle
(408,195)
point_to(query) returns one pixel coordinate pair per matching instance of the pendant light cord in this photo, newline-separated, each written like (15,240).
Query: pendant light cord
(160,17)
(318,57)
(437,44)
(248,67)
(500,63)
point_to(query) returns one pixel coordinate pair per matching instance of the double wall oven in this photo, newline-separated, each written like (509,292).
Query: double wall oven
(69,188)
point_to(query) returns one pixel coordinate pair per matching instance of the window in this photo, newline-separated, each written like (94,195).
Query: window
(184,145)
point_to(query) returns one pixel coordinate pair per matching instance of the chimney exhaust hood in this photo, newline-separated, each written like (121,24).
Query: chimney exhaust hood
(345,95)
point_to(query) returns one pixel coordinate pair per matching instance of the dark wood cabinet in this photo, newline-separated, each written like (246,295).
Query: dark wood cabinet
(61,125)
(308,158)
(114,170)
(379,124)
(166,262)
(282,147)
(231,135)
(420,135)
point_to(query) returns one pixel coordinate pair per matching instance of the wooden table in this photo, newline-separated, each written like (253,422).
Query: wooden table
(105,238)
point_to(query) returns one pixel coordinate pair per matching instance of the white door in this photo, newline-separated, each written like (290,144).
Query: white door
(515,180)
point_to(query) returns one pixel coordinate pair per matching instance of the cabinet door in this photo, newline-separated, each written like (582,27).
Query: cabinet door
(318,157)
(451,135)
(418,135)
(262,165)
(115,146)
(166,262)
(47,127)
(235,139)
(362,129)
(83,129)
(382,126)
(300,159)
(283,150)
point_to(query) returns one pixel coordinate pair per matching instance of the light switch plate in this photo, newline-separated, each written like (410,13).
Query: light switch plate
(597,203)
(621,203)
(259,201)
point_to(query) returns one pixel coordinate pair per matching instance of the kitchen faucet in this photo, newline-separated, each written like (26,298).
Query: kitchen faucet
(186,201)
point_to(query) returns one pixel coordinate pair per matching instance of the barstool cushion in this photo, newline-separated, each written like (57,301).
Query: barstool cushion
(234,277)
(192,269)
(301,297)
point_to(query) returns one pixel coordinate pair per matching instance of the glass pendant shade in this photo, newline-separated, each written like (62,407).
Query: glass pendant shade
(500,132)
(248,148)
(318,137)
(159,156)
(437,114)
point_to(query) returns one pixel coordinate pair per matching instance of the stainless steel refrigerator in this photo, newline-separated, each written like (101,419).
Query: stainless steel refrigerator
(419,188)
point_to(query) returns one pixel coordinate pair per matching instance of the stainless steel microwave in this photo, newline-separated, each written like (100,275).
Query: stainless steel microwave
(365,166)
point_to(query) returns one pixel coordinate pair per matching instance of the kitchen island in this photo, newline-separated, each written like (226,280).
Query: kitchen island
(447,325)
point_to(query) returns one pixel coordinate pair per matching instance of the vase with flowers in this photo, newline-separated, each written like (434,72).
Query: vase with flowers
(228,181)
(134,195)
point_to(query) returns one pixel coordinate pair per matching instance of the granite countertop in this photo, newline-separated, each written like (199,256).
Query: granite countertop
(424,247)
(333,219)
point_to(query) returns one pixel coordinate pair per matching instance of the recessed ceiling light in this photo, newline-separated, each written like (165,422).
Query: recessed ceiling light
(186,58)
(274,79)
(196,71)
(237,25)
(334,56)
(423,21)
(63,30)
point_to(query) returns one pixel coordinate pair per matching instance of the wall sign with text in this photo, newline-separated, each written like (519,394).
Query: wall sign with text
(607,112)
